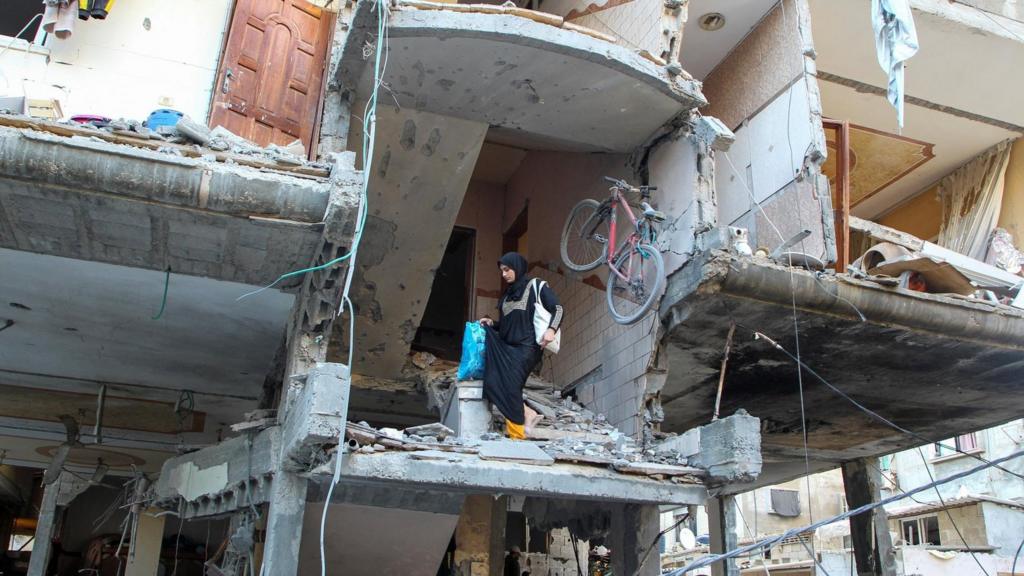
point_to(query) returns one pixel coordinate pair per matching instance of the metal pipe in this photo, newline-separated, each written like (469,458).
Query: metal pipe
(101,401)
(721,373)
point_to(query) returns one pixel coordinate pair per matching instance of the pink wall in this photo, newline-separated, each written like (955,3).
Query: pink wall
(482,211)
(552,183)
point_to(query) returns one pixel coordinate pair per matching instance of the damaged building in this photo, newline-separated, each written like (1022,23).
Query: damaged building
(229,333)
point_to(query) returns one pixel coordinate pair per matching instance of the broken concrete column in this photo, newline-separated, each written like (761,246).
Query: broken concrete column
(56,497)
(317,416)
(480,536)
(466,411)
(872,543)
(729,449)
(147,544)
(633,540)
(40,559)
(284,525)
(722,531)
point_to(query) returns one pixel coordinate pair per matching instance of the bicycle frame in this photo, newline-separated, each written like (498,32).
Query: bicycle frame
(631,241)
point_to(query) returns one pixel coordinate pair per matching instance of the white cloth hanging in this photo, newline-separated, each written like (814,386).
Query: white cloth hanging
(972,198)
(895,43)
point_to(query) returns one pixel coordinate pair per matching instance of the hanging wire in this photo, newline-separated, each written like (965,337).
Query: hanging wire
(369,140)
(949,515)
(865,409)
(774,540)
(163,301)
(20,32)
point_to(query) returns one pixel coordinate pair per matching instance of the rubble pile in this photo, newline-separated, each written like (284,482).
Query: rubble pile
(564,430)
(570,432)
(186,138)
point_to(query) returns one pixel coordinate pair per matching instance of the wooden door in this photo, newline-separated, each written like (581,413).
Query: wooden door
(270,83)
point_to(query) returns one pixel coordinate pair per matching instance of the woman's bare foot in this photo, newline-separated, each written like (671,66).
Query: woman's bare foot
(531,420)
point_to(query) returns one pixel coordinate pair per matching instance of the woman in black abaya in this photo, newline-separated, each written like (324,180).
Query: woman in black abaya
(511,345)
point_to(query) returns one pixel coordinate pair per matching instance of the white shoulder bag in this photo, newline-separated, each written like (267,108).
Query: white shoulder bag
(542,318)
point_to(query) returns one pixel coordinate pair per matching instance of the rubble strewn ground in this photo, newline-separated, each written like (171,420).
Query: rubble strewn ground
(566,431)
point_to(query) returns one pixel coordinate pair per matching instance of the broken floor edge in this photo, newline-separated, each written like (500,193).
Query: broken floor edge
(468,474)
(410,22)
(718,272)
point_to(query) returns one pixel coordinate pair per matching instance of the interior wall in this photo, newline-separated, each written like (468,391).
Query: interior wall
(1011,216)
(673,169)
(757,70)
(766,91)
(482,211)
(921,215)
(135,61)
(551,183)
(636,23)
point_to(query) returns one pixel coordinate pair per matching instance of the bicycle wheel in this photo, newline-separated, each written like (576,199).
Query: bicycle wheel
(629,300)
(585,237)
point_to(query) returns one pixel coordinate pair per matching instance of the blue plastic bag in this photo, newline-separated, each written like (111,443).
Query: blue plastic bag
(471,366)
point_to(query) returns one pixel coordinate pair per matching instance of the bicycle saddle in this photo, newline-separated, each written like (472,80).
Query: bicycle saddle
(652,214)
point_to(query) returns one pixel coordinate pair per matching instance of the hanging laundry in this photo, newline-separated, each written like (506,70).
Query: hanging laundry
(59,17)
(895,43)
(97,9)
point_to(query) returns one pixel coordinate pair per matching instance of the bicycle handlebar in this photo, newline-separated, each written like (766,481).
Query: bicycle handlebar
(644,191)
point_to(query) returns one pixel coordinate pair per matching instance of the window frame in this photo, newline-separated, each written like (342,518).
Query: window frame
(968,443)
(771,508)
(918,529)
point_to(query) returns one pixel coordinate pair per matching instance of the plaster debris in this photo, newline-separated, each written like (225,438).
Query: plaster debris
(566,432)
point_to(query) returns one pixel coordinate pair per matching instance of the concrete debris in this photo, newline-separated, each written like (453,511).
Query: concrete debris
(187,139)
(197,132)
(522,452)
(423,360)
(435,429)
(566,431)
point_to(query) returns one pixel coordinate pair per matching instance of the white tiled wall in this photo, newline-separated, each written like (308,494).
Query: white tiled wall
(636,24)
(607,359)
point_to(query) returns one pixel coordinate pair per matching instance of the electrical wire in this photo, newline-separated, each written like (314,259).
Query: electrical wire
(576,553)
(20,32)
(1013,569)
(369,141)
(769,542)
(865,409)
(650,548)
(989,16)
(752,535)
(949,515)
(163,301)
(894,483)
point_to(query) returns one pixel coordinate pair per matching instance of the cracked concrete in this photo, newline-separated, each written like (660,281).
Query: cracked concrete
(91,200)
(414,199)
(535,84)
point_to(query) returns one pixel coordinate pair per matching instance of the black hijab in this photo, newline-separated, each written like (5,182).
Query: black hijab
(518,264)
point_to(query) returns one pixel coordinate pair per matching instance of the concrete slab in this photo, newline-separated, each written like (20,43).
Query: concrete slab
(79,325)
(469,474)
(512,451)
(536,85)
(905,360)
(421,169)
(122,205)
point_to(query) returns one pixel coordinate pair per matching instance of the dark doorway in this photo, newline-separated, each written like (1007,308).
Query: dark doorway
(448,308)
(515,238)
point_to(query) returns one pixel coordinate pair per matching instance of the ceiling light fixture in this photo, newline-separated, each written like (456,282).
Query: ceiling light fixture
(712,21)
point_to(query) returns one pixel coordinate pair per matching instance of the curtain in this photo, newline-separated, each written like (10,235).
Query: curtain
(971,198)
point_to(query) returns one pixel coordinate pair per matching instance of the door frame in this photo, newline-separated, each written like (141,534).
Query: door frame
(841,204)
(218,77)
